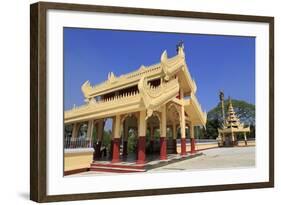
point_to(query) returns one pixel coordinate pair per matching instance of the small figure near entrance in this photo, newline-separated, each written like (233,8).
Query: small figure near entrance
(103,151)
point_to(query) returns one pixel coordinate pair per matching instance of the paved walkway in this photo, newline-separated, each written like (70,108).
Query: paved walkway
(218,158)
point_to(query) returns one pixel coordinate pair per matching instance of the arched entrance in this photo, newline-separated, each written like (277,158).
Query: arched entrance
(174,128)
(153,135)
(101,136)
(129,137)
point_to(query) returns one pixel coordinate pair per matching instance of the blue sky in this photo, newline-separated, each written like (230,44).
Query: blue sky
(215,62)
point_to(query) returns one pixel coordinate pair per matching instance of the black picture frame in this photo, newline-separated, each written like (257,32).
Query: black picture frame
(38,100)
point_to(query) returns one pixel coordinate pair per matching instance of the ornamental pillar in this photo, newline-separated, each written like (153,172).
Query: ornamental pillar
(75,130)
(174,128)
(141,138)
(163,137)
(90,128)
(90,132)
(183,135)
(74,134)
(116,140)
(192,138)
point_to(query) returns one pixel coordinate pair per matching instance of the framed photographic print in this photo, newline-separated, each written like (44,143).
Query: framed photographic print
(135,102)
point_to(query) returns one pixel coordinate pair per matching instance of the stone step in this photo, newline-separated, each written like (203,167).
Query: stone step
(115,169)
(170,151)
(124,166)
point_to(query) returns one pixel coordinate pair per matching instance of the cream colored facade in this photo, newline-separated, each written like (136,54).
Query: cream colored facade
(77,159)
(157,96)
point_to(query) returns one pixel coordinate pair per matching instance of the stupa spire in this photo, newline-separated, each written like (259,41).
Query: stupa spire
(232,119)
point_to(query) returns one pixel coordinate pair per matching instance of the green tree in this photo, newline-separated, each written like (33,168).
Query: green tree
(212,126)
(244,111)
(132,141)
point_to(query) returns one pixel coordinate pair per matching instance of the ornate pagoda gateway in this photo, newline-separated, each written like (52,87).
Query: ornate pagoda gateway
(231,126)
(159,96)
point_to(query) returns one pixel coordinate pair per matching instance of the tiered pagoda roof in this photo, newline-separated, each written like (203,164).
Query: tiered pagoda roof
(232,122)
(135,91)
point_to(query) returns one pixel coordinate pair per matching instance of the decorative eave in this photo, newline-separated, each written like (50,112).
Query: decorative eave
(116,83)
(166,68)
(154,97)
(233,129)
(95,110)
(148,98)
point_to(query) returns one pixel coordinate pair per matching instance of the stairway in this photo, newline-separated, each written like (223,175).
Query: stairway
(116,168)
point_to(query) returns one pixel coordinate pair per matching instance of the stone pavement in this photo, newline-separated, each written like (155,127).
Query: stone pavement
(218,158)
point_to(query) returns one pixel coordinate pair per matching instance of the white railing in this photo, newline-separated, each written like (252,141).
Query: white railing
(73,143)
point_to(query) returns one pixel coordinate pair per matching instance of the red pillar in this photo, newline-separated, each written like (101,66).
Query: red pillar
(192,145)
(183,146)
(163,148)
(115,154)
(125,148)
(141,150)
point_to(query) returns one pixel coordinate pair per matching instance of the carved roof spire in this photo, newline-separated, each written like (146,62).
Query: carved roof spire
(232,119)
(179,46)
